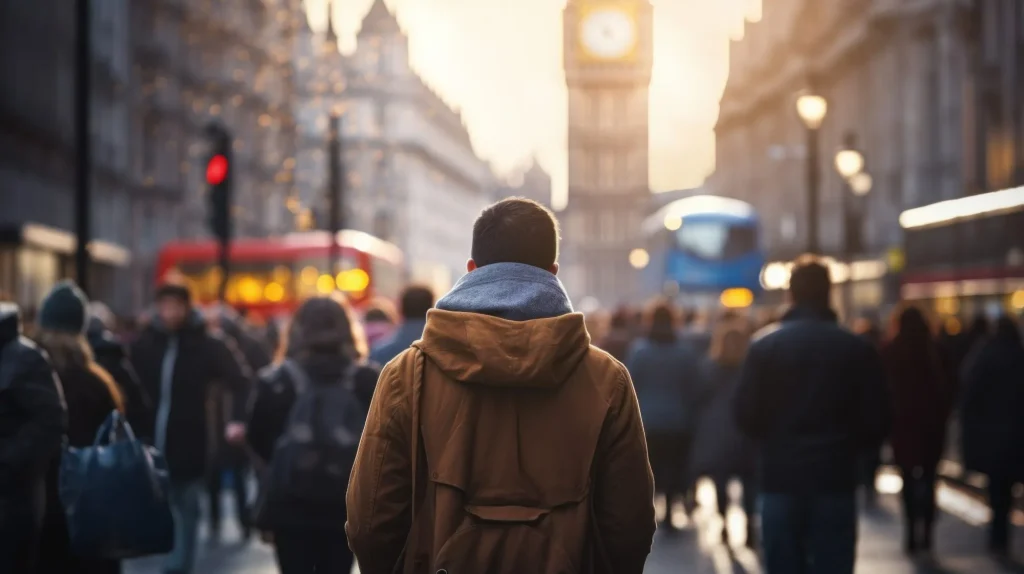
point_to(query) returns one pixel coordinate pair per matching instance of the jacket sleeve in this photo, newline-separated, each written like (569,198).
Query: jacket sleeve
(380,488)
(874,400)
(231,369)
(624,485)
(749,407)
(36,392)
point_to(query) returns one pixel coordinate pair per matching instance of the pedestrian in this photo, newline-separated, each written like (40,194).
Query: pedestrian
(323,351)
(867,327)
(179,363)
(416,300)
(720,450)
(380,321)
(813,396)
(921,398)
(620,335)
(503,415)
(991,423)
(90,394)
(32,422)
(112,355)
(669,387)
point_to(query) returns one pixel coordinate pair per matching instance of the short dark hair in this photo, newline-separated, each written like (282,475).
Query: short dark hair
(809,282)
(174,291)
(416,301)
(516,230)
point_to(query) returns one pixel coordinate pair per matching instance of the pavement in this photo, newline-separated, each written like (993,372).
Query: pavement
(697,549)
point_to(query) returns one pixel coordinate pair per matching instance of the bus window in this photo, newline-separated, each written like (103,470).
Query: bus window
(248,284)
(716,240)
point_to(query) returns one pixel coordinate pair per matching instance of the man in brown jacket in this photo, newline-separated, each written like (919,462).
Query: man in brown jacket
(502,442)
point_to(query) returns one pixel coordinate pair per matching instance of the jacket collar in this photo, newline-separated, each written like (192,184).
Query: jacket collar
(10,322)
(808,313)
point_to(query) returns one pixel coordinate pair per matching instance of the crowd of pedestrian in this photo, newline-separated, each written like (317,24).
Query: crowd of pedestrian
(483,432)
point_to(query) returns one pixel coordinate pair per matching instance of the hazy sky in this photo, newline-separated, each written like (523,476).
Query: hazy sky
(500,62)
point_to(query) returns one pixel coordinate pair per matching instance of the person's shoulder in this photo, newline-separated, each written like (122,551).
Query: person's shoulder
(607,373)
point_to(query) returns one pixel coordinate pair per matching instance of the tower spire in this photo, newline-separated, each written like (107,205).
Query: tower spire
(331,35)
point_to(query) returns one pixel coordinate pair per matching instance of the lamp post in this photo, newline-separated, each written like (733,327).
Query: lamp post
(812,109)
(849,163)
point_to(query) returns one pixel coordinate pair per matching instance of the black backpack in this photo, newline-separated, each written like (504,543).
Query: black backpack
(313,457)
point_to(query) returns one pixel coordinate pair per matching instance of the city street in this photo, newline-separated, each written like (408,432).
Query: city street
(696,550)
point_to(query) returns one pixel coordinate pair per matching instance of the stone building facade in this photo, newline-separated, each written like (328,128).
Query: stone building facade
(894,74)
(412,176)
(161,70)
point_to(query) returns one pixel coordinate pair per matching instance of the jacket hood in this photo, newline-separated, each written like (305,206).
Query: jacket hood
(514,291)
(473,348)
(10,322)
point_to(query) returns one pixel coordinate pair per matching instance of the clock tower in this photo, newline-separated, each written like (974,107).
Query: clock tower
(608,57)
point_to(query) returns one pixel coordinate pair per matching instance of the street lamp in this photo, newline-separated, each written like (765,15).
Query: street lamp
(639,258)
(849,162)
(812,109)
(861,183)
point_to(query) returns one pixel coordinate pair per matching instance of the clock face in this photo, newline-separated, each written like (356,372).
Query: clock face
(608,33)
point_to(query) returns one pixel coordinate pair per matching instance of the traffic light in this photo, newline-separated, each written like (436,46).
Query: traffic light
(218,180)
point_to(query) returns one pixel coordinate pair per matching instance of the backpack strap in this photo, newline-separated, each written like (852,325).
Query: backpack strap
(417,386)
(298,376)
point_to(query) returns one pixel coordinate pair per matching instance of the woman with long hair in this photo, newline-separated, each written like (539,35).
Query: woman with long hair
(921,399)
(324,349)
(90,394)
(721,451)
(666,374)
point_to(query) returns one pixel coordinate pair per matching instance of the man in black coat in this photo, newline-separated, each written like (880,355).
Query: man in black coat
(32,423)
(813,395)
(180,364)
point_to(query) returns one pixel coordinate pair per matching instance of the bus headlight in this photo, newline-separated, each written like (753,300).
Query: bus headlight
(737,298)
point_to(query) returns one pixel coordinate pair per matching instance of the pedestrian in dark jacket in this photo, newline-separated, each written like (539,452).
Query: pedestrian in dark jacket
(620,335)
(180,363)
(813,395)
(91,395)
(379,321)
(921,400)
(32,422)
(991,424)
(667,376)
(720,450)
(325,346)
(112,355)
(416,301)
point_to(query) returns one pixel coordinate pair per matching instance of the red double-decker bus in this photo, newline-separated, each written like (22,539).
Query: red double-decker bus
(269,277)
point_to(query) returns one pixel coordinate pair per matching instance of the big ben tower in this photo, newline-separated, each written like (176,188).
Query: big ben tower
(608,57)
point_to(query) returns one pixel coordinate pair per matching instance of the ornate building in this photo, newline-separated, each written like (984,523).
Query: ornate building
(893,74)
(531,182)
(412,175)
(162,70)
(608,57)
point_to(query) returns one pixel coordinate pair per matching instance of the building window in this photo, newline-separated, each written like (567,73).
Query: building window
(606,171)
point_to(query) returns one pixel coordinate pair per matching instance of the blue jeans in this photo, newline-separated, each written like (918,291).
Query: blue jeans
(185,507)
(809,533)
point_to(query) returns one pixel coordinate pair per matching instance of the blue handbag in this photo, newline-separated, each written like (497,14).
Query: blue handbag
(115,495)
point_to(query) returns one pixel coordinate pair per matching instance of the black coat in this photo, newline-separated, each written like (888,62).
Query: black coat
(89,403)
(113,357)
(272,404)
(199,362)
(814,396)
(32,422)
(992,400)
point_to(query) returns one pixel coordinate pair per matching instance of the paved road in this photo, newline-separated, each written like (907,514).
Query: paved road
(698,549)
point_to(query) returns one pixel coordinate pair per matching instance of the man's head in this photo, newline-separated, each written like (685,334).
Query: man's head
(173,303)
(416,301)
(515,230)
(809,283)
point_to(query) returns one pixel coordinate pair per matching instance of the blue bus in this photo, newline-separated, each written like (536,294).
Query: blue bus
(705,249)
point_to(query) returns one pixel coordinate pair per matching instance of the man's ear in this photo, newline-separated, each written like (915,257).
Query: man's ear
(470,266)
(554,268)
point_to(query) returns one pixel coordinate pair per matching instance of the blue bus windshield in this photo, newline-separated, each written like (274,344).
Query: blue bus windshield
(716,240)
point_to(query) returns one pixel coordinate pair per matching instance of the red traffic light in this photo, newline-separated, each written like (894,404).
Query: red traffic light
(217,170)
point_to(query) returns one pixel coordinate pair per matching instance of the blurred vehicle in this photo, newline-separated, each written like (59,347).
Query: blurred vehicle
(270,277)
(965,257)
(705,251)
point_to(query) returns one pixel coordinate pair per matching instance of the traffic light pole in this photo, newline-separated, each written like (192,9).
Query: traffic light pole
(83,172)
(335,193)
(219,179)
